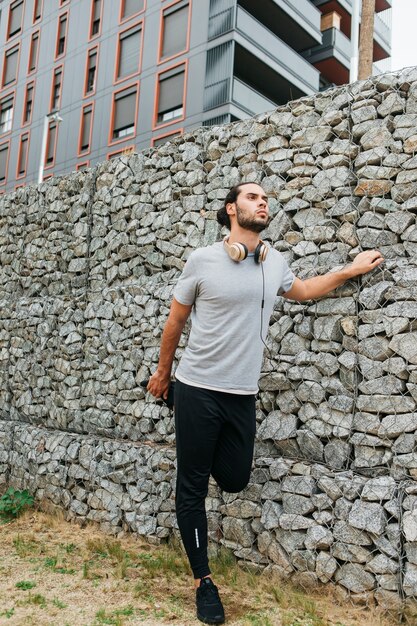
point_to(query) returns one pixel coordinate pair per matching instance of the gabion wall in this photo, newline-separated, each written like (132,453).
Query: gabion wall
(88,265)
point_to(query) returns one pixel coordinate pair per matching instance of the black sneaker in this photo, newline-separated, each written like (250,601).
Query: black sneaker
(209,606)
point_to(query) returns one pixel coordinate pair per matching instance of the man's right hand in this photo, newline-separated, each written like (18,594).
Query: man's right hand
(158,385)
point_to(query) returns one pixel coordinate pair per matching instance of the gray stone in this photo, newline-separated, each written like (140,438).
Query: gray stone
(326,566)
(318,538)
(271,513)
(302,485)
(368,516)
(377,489)
(405,346)
(289,521)
(410,525)
(278,427)
(410,580)
(293,503)
(397,424)
(354,578)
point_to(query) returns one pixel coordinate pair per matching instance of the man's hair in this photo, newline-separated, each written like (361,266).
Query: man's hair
(222,215)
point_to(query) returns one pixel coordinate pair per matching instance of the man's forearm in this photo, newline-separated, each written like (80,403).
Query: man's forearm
(319,286)
(169,343)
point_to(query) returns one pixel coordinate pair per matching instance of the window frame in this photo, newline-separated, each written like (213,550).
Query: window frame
(2,144)
(117,80)
(122,5)
(9,37)
(89,94)
(80,151)
(60,55)
(3,76)
(90,27)
(6,96)
(81,164)
(32,37)
(119,152)
(25,134)
(155,124)
(114,141)
(37,20)
(51,98)
(29,121)
(177,131)
(47,165)
(162,59)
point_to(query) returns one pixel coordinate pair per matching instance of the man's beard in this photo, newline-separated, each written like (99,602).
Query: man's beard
(250,223)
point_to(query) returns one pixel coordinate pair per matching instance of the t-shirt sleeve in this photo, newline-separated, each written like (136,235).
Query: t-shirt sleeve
(288,278)
(186,288)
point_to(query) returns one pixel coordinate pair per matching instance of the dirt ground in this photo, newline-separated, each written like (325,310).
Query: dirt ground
(54,573)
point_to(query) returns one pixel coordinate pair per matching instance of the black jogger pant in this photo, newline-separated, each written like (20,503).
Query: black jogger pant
(215,434)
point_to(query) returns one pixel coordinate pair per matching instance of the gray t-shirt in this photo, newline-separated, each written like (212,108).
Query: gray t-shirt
(224,350)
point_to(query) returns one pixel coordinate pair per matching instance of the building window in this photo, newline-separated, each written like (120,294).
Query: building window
(23,155)
(95,22)
(171,95)
(33,53)
(125,152)
(174,29)
(90,80)
(6,114)
(128,56)
(28,105)
(159,141)
(15,18)
(56,89)
(37,10)
(10,66)
(50,146)
(62,35)
(124,113)
(82,166)
(129,8)
(86,127)
(4,159)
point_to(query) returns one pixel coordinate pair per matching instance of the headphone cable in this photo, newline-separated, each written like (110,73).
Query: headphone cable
(262,311)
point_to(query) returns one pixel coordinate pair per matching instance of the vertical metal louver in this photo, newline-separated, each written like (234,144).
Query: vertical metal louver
(219,69)
(221,17)
(218,121)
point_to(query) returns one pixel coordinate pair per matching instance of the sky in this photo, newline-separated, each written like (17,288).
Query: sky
(404,37)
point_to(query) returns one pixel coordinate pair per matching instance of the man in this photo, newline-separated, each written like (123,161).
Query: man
(230,288)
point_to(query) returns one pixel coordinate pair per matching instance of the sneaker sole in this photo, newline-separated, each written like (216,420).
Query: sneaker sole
(214,620)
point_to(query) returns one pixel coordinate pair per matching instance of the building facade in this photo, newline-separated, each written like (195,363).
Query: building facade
(85,80)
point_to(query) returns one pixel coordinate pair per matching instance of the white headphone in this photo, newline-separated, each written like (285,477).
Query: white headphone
(238,251)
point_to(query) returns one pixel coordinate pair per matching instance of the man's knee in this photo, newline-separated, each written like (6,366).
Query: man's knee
(233,485)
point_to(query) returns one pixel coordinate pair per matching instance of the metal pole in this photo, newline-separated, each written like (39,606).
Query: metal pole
(354,39)
(43,148)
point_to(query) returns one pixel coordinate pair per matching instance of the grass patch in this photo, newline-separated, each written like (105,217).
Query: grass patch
(37,599)
(26,546)
(25,584)
(59,604)
(124,581)
(113,618)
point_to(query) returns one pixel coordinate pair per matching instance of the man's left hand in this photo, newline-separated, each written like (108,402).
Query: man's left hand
(366,261)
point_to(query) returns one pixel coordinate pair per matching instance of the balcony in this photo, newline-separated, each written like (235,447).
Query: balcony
(281,60)
(298,26)
(249,100)
(346,5)
(332,58)
(382,39)
(295,23)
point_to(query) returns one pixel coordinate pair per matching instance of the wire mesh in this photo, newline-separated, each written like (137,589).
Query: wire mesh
(88,265)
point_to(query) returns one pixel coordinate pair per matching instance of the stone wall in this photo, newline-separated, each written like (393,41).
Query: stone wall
(88,264)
